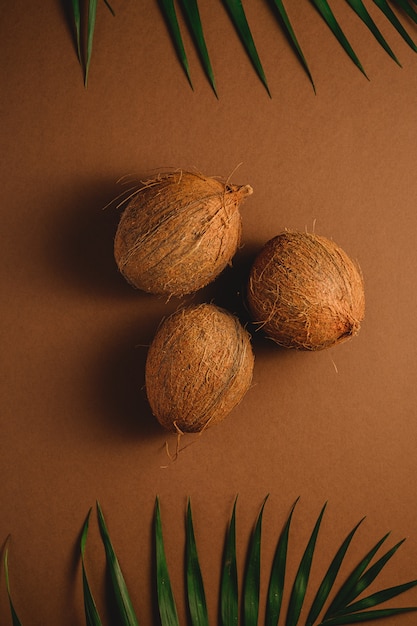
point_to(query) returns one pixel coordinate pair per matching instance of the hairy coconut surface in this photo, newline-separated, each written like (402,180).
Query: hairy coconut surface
(178,232)
(199,366)
(305,292)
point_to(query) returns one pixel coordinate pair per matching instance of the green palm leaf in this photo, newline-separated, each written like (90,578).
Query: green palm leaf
(301,580)
(91,613)
(15,619)
(76,14)
(252,582)
(168,10)
(390,15)
(277,577)
(369,576)
(291,34)
(166,602)
(229,597)
(195,587)
(196,28)
(408,10)
(91,23)
(125,609)
(366,616)
(360,9)
(328,16)
(238,16)
(347,592)
(329,578)
(377,598)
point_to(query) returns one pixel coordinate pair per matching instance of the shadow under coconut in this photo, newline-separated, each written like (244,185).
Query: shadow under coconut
(229,291)
(80,243)
(120,386)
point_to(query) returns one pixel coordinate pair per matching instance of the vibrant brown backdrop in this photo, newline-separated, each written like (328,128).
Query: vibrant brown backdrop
(336,426)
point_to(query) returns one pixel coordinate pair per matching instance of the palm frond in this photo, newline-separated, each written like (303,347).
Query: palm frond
(15,619)
(393,19)
(238,17)
(195,588)
(252,582)
(346,593)
(327,14)
(277,576)
(170,15)
(329,578)
(91,24)
(166,603)
(194,22)
(366,616)
(289,31)
(360,10)
(301,580)
(92,616)
(229,595)
(126,613)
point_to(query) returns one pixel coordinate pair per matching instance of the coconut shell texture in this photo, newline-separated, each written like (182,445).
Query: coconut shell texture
(305,292)
(198,368)
(179,232)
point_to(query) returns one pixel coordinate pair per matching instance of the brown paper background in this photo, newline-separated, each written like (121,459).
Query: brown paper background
(336,426)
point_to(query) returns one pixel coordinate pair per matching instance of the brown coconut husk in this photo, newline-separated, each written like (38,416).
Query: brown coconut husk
(178,232)
(199,366)
(305,292)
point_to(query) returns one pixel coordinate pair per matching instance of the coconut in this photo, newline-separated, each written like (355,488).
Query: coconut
(305,292)
(178,232)
(198,368)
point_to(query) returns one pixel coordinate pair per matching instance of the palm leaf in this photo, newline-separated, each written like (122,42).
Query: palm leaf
(91,22)
(194,23)
(166,602)
(329,578)
(126,613)
(408,10)
(238,16)
(390,15)
(195,587)
(301,580)
(346,593)
(366,616)
(15,619)
(378,598)
(229,597)
(168,10)
(91,613)
(76,15)
(360,9)
(277,577)
(252,582)
(291,34)
(328,16)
